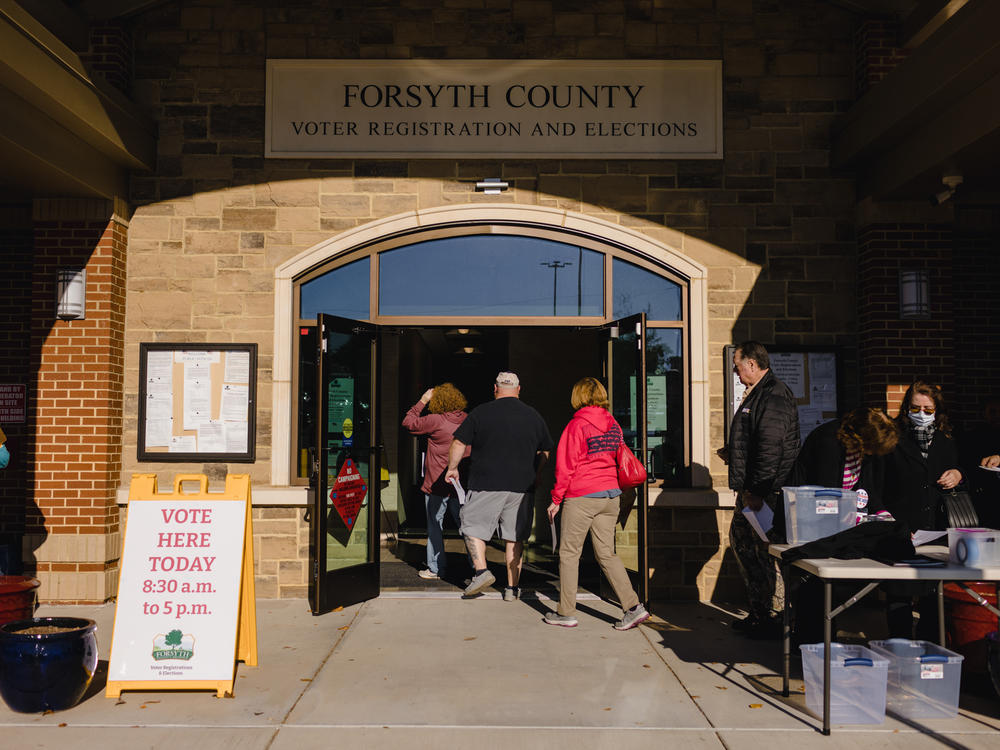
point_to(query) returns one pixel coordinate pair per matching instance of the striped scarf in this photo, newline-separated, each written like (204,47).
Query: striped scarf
(923,436)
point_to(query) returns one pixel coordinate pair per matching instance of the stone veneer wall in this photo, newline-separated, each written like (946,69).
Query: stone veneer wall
(280,553)
(215,218)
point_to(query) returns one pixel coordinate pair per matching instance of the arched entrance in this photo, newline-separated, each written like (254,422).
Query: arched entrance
(458,292)
(361,240)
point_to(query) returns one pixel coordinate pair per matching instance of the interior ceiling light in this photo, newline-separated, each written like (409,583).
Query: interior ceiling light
(462,332)
(469,350)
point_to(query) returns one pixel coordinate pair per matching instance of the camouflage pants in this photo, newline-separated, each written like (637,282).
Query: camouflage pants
(765,590)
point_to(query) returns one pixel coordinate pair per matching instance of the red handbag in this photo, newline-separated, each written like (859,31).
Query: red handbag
(631,472)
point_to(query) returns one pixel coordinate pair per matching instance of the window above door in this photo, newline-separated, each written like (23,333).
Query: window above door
(485,273)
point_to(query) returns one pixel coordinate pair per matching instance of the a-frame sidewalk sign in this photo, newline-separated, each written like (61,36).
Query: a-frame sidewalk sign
(186,611)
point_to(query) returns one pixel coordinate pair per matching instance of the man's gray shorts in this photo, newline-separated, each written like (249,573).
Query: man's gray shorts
(484,509)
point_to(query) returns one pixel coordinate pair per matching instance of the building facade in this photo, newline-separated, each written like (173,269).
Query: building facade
(139,155)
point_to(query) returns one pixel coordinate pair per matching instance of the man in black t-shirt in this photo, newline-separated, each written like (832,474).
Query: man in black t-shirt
(510,442)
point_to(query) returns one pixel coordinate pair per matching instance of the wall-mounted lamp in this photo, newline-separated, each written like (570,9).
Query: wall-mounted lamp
(71,293)
(491,186)
(914,295)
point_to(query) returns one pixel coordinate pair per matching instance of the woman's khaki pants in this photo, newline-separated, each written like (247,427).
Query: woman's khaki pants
(598,515)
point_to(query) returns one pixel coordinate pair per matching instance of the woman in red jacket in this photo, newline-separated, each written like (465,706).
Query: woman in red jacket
(587,490)
(445,404)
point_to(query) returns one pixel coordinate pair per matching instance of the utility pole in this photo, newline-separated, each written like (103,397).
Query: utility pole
(555,265)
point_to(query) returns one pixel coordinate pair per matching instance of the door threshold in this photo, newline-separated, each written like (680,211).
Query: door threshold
(539,595)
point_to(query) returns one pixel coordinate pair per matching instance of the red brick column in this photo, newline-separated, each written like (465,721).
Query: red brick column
(894,352)
(878,53)
(73,538)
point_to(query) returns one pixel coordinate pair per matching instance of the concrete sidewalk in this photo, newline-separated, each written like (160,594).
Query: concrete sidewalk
(435,671)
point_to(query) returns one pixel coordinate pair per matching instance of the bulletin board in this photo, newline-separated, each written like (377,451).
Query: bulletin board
(197,402)
(812,374)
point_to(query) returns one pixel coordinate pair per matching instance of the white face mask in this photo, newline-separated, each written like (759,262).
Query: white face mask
(921,419)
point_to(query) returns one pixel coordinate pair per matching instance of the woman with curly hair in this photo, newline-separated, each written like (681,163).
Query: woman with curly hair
(848,453)
(446,405)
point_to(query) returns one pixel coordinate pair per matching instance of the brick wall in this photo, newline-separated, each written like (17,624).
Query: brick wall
(878,52)
(110,56)
(77,404)
(15,368)
(894,352)
(976,292)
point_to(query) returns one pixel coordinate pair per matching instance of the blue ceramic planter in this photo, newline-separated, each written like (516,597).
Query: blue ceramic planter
(47,671)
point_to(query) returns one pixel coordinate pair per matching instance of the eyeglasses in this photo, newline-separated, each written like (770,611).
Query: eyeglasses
(924,409)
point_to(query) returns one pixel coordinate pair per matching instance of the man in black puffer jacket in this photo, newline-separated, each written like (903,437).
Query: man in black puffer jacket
(763,444)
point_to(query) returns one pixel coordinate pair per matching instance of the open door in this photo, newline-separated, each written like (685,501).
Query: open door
(625,368)
(344,516)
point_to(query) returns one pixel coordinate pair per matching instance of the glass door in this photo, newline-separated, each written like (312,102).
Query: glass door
(625,367)
(344,517)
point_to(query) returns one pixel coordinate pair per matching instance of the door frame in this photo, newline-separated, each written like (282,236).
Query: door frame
(636,322)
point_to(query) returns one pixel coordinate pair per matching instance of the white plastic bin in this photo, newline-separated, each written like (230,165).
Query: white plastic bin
(813,512)
(924,678)
(857,682)
(974,547)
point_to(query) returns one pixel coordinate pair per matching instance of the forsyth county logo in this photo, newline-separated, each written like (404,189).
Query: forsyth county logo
(173,645)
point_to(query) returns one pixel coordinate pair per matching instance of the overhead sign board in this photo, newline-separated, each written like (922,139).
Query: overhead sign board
(420,109)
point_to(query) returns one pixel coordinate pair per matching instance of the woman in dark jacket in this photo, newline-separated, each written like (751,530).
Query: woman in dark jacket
(848,454)
(924,463)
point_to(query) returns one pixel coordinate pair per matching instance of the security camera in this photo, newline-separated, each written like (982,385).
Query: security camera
(951,183)
(938,198)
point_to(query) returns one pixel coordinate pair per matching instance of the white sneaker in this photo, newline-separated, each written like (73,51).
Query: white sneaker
(554,618)
(428,575)
(632,618)
(479,582)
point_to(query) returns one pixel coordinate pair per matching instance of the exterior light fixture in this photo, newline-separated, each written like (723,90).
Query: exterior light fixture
(71,293)
(491,186)
(914,295)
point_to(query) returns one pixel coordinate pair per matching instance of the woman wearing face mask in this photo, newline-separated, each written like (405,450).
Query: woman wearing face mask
(924,463)
(925,460)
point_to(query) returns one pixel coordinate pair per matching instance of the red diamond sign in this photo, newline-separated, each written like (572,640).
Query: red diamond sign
(348,493)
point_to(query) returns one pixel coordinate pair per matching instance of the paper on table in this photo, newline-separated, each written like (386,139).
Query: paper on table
(923,536)
(458,490)
(761,520)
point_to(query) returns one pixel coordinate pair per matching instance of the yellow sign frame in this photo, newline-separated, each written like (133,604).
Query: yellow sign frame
(143,487)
